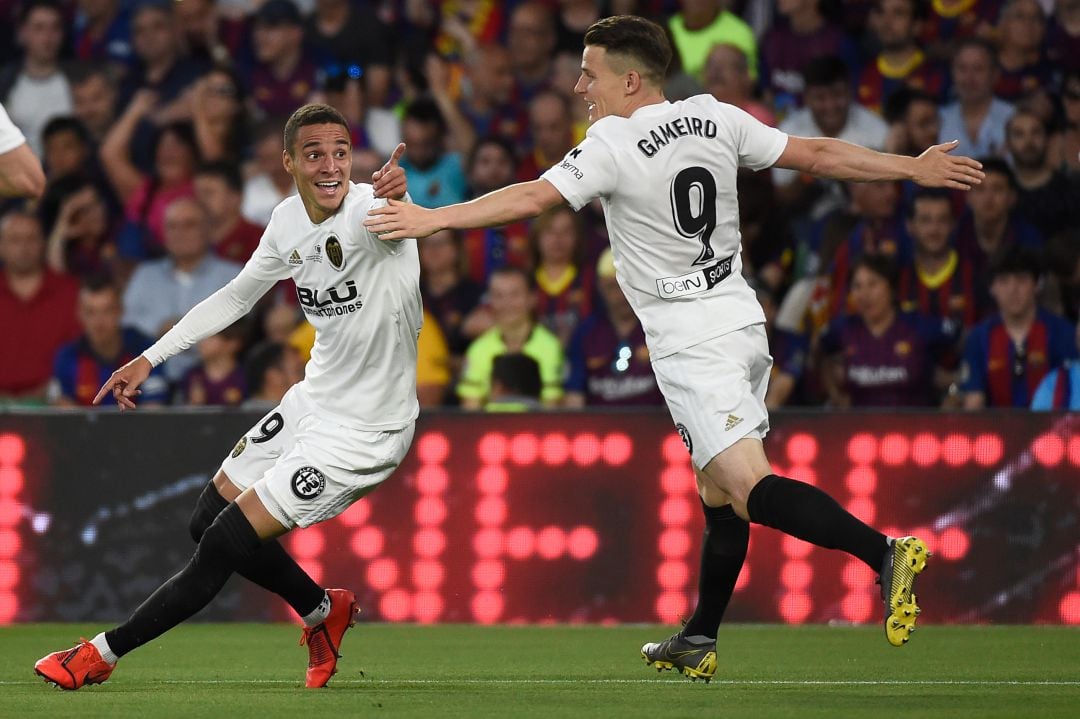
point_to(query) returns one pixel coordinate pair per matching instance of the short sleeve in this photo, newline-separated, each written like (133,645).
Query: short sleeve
(586,172)
(10,136)
(758,145)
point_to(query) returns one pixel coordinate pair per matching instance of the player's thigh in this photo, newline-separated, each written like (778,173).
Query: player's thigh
(270,439)
(328,468)
(715,391)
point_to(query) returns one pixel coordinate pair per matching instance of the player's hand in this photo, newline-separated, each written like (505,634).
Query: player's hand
(124,383)
(399,220)
(389,181)
(937,168)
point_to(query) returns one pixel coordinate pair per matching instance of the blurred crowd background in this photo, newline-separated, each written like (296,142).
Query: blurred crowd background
(159,124)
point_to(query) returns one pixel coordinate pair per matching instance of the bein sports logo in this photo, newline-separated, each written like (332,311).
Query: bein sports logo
(694,282)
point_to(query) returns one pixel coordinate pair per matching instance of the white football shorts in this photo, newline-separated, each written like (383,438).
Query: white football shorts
(306,468)
(715,391)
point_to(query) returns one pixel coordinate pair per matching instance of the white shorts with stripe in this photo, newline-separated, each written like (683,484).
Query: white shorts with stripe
(715,391)
(307,469)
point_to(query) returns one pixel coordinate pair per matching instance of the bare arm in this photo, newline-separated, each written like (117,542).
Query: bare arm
(115,151)
(510,204)
(21,174)
(839,160)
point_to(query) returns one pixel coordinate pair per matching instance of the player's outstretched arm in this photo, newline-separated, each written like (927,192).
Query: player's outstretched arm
(124,383)
(839,160)
(389,180)
(520,201)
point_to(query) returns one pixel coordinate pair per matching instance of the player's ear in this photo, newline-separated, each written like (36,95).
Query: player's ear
(632,81)
(287,161)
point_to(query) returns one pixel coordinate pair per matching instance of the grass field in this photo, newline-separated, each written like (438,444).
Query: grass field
(250,670)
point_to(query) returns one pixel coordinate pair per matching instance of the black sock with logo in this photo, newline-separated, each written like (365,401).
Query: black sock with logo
(723,549)
(805,512)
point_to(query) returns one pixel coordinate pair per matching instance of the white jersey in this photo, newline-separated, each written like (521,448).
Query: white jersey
(10,136)
(362,295)
(666,179)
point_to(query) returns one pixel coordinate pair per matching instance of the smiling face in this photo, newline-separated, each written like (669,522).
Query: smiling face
(320,162)
(602,86)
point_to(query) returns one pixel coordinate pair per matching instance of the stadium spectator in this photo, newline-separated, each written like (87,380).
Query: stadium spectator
(433,364)
(727,78)
(977,118)
(37,309)
(513,300)
(801,34)
(551,128)
(270,369)
(948,21)
(901,62)
(991,223)
(357,40)
(491,166)
(1022,63)
(1007,355)
(219,116)
(451,297)
(701,24)
(515,384)
(161,291)
(938,281)
(879,356)
(82,366)
(1045,195)
(103,33)
(531,38)
(35,89)
(485,107)
(94,95)
(435,176)
(219,189)
(218,378)
(209,36)
(914,122)
(267,183)
(82,239)
(283,76)
(66,147)
(1063,36)
(607,360)
(566,286)
(572,20)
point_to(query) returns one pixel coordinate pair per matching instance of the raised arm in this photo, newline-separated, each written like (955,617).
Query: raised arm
(510,204)
(839,160)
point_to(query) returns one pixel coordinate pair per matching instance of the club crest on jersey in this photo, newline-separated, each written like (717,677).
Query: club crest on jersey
(308,483)
(684,435)
(335,253)
(239,448)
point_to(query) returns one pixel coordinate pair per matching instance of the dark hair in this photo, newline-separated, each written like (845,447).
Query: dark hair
(900,101)
(65,123)
(518,373)
(1016,260)
(425,111)
(31,5)
(977,42)
(80,72)
(640,40)
(311,114)
(514,271)
(999,166)
(496,140)
(1023,111)
(826,70)
(881,265)
(100,282)
(226,171)
(919,8)
(928,194)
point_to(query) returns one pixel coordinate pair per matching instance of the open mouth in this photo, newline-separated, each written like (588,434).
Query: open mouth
(328,188)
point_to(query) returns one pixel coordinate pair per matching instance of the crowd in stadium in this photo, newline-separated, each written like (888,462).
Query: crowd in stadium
(159,125)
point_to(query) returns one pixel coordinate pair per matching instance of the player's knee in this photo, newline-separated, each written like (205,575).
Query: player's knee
(230,539)
(207,508)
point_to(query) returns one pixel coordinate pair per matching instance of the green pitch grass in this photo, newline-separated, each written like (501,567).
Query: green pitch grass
(249,670)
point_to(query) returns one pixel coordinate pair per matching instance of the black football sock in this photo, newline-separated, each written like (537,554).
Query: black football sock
(806,512)
(270,567)
(227,543)
(723,549)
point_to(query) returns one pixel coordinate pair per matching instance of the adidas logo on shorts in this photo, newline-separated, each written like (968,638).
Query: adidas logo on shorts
(732,422)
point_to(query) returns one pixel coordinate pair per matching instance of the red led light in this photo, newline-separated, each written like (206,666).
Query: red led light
(988,449)
(492,479)
(428,574)
(802,448)
(585,449)
(395,605)
(862,448)
(582,542)
(523,448)
(357,514)
(674,450)
(672,576)
(307,543)
(520,543)
(857,575)
(796,575)
(555,449)
(427,607)
(367,542)
(1074,451)
(12,449)
(491,511)
(678,479)
(382,574)
(492,448)
(671,606)
(616,449)
(10,543)
(795,548)
(744,578)
(432,479)
(9,575)
(803,473)
(894,449)
(9,513)
(488,543)
(429,542)
(861,480)
(857,607)
(313,567)
(9,605)
(11,481)
(795,607)
(956,450)
(674,543)
(430,511)
(925,449)
(1049,450)
(551,542)
(953,543)
(675,511)
(927,535)
(487,607)
(1068,608)
(488,574)
(433,448)
(863,508)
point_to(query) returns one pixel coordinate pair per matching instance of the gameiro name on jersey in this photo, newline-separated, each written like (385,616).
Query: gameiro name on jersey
(666,179)
(361,294)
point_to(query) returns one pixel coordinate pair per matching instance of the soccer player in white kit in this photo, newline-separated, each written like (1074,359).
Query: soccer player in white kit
(335,436)
(665,175)
(20,172)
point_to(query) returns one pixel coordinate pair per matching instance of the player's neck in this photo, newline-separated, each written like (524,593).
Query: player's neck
(516,334)
(635,103)
(880,323)
(107,348)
